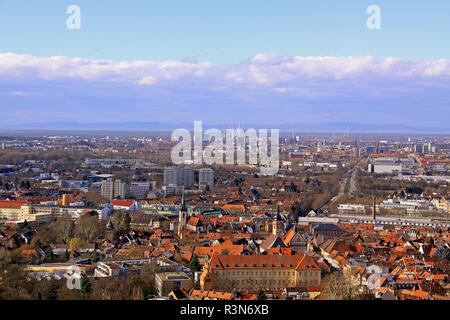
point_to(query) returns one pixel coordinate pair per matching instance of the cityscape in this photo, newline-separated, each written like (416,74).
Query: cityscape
(294,154)
(346,216)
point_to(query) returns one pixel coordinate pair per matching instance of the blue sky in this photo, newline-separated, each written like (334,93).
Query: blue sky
(224,78)
(225,31)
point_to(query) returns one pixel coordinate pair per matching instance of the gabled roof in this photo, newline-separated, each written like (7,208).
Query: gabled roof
(271,242)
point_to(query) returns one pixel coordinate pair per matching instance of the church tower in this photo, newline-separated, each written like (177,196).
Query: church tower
(182,216)
(277,224)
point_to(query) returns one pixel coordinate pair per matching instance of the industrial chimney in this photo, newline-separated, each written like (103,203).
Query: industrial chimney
(374,214)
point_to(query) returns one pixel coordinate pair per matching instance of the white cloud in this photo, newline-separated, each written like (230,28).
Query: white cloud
(261,70)
(300,86)
(148,81)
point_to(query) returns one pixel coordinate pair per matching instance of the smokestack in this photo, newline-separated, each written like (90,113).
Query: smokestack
(374,213)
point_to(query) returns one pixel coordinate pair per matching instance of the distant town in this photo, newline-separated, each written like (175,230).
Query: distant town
(109,217)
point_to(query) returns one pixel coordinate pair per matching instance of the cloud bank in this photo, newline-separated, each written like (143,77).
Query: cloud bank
(262,89)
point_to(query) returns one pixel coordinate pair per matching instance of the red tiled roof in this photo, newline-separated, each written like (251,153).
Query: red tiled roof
(123,203)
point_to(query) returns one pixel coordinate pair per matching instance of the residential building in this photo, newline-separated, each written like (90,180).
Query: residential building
(166,282)
(186,177)
(179,177)
(171,176)
(113,189)
(206,179)
(269,272)
(107,270)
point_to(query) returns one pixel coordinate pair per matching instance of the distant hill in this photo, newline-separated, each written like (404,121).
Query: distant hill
(329,127)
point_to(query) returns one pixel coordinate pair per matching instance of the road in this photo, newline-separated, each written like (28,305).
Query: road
(349,178)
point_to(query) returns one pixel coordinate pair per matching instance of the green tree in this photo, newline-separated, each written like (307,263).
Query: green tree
(85,285)
(194,264)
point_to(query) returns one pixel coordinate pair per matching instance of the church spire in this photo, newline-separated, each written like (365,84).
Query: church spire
(182,216)
(278,216)
(183,203)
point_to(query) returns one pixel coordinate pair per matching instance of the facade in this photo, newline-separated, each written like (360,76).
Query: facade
(139,190)
(19,211)
(179,177)
(107,270)
(113,189)
(172,190)
(296,240)
(206,178)
(171,176)
(390,165)
(186,177)
(268,272)
(408,205)
(120,189)
(326,230)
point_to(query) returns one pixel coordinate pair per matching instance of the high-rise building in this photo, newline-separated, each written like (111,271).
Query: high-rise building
(179,177)
(139,190)
(107,189)
(120,189)
(170,176)
(186,177)
(113,189)
(206,178)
